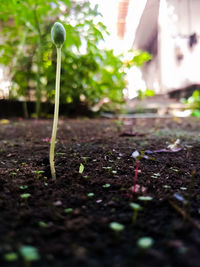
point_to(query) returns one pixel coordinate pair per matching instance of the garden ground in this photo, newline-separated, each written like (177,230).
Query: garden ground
(68,220)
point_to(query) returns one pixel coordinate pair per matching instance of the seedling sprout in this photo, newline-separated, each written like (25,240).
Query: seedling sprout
(117,227)
(68,210)
(81,168)
(58,36)
(106,185)
(136,207)
(155,175)
(23,187)
(12,256)
(135,155)
(145,198)
(25,195)
(29,254)
(145,242)
(183,188)
(38,173)
(166,186)
(90,194)
(42,224)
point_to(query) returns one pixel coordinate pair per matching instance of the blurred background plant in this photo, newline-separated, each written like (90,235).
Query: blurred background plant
(146,93)
(193,103)
(90,74)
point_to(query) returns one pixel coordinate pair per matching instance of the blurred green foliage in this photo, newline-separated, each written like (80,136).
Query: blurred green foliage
(146,93)
(193,103)
(89,73)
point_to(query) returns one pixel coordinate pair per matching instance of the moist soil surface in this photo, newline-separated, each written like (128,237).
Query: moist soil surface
(68,220)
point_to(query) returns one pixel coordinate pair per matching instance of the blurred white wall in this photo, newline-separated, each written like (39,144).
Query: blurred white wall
(179,61)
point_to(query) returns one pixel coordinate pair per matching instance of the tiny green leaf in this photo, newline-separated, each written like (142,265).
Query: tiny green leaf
(29,253)
(145,198)
(68,210)
(117,227)
(81,168)
(12,256)
(106,185)
(25,195)
(166,186)
(90,194)
(23,187)
(183,188)
(42,224)
(135,206)
(145,242)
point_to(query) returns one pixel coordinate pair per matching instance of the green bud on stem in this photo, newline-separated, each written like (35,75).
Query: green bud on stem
(58,34)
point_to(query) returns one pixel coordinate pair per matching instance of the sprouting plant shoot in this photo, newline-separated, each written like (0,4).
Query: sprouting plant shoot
(11,256)
(135,155)
(145,242)
(25,195)
(38,173)
(116,227)
(58,36)
(81,168)
(145,198)
(136,207)
(29,254)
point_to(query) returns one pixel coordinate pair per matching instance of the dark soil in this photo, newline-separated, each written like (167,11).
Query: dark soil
(83,236)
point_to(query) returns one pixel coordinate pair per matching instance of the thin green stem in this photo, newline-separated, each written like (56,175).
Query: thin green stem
(56,110)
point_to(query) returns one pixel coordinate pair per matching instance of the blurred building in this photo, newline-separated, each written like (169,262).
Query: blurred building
(170,31)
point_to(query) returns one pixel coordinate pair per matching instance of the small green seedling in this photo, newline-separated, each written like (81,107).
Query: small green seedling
(25,195)
(38,173)
(145,198)
(11,256)
(58,36)
(90,194)
(23,187)
(145,243)
(116,227)
(60,154)
(155,175)
(166,186)
(29,254)
(81,168)
(183,188)
(136,207)
(109,169)
(68,210)
(42,224)
(106,185)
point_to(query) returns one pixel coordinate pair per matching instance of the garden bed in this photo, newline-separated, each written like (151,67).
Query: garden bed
(68,220)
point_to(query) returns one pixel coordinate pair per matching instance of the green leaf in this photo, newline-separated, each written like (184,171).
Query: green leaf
(81,168)
(29,253)
(12,256)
